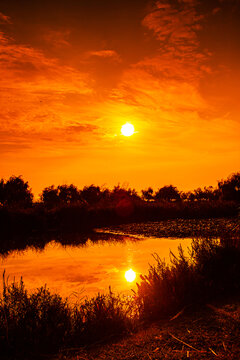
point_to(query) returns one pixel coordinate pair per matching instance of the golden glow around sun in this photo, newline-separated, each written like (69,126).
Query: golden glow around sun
(127,129)
(130,275)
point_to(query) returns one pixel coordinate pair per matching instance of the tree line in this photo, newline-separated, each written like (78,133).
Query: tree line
(15,192)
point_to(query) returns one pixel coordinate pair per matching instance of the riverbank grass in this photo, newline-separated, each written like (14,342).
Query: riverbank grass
(44,323)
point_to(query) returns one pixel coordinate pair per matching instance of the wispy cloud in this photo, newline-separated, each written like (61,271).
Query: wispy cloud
(25,65)
(163,92)
(4,19)
(176,26)
(169,80)
(39,95)
(57,38)
(108,54)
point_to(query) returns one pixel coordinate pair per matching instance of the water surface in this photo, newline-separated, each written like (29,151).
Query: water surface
(85,270)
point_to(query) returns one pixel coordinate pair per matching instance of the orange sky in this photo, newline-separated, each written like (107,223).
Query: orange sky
(72,72)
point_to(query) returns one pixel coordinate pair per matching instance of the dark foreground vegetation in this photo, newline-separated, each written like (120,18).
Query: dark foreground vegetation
(42,322)
(209,333)
(65,208)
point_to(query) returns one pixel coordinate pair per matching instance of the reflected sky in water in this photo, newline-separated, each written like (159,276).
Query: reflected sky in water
(80,271)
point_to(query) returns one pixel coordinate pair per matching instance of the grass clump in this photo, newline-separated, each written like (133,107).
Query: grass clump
(37,322)
(42,322)
(101,318)
(210,271)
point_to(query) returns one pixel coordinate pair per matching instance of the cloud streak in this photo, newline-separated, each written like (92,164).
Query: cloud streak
(163,92)
(34,93)
(4,19)
(105,54)
(57,38)
(176,26)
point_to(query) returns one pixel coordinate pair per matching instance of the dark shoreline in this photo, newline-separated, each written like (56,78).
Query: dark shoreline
(172,228)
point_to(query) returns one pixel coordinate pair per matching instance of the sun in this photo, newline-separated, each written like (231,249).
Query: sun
(127,129)
(130,275)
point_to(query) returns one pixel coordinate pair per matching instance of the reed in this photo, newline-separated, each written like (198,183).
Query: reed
(210,270)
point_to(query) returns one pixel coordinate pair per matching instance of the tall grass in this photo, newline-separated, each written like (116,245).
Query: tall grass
(102,317)
(37,322)
(41,322)
(210,270)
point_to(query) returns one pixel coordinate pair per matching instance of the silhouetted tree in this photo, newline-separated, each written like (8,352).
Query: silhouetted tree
(187,196)
(16,192)
(123,200)
(133,194)
(119,192)
(168,193)
(105,194)
(211,193)
(49,196)
(198,194)
(147,194)
(68,194)
(206,194)
(91,194)
(1,191)
(230,188)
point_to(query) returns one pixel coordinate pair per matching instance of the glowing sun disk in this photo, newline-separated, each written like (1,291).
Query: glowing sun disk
(130,275)
(127,129)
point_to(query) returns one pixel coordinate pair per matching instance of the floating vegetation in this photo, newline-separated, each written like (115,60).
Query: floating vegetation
(182,228)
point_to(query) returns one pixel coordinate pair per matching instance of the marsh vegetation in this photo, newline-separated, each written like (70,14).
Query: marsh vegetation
(42,322)
(66,209)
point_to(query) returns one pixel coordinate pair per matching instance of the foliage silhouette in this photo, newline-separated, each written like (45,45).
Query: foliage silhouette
(62,195)
(49,197)
(91,194)
(65,208)
(148,194)
(15,192)
(230,188)
(167,193)
(68,194)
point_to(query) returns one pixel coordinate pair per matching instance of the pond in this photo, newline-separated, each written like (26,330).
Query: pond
(80,271)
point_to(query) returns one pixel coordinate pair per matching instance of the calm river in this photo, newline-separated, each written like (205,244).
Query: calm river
(82,271)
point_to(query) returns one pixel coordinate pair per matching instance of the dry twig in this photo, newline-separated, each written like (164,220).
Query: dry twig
(177,315)
(183,342)
(213,352)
